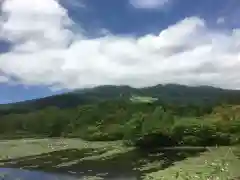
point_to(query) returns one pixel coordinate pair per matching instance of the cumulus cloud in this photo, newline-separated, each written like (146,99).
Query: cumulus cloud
(47,52)
(74,3)
(220,20)
(148,4)
(3,79)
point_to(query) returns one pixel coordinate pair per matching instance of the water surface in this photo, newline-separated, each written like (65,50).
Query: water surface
(19,174)
(69,164)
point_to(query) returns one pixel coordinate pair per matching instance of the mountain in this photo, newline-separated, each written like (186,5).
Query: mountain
(171,93)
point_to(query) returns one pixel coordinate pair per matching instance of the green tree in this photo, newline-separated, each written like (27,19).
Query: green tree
(133,128)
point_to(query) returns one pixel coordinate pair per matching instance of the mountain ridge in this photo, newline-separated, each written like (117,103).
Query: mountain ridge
(170,93)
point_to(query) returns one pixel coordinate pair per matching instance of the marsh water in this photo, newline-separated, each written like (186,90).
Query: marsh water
(69,164)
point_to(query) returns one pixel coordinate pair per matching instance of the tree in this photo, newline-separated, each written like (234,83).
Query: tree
(132,129)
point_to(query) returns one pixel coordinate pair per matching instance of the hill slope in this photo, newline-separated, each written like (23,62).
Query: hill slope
(172,93)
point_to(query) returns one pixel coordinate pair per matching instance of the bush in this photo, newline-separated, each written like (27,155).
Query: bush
(199,133)
(133,128)
(191,141)
(150,130)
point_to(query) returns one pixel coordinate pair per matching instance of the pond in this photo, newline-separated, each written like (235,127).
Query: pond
(19,174)
(79,164)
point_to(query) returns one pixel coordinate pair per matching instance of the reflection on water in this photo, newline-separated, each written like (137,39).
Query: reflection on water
(128,166)
(18,174)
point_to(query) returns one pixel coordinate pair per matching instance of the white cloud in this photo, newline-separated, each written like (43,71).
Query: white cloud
(74,3)
(148,4)
(220,20)
(47,52)
(3,79)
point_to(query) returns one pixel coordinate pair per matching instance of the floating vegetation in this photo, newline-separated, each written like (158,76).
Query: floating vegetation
(10,149)
(97,160)
(91,178)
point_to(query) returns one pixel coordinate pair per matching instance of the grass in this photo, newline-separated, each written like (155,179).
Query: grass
(140,99)
(10,149)
(91,178)
(110,153)
(219,163)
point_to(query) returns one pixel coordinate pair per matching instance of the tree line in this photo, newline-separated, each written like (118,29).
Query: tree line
(140,124)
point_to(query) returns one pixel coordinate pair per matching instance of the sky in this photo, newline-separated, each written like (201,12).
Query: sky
(54,46)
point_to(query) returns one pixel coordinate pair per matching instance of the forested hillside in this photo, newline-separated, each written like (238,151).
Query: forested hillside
(196,116)
(171,94)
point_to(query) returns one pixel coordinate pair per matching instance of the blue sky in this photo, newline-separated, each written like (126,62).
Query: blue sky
(49,46)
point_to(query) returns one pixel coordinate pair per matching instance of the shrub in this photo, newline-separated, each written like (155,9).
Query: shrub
(199,133)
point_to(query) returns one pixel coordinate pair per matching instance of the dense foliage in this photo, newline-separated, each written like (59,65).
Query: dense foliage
(140,124)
